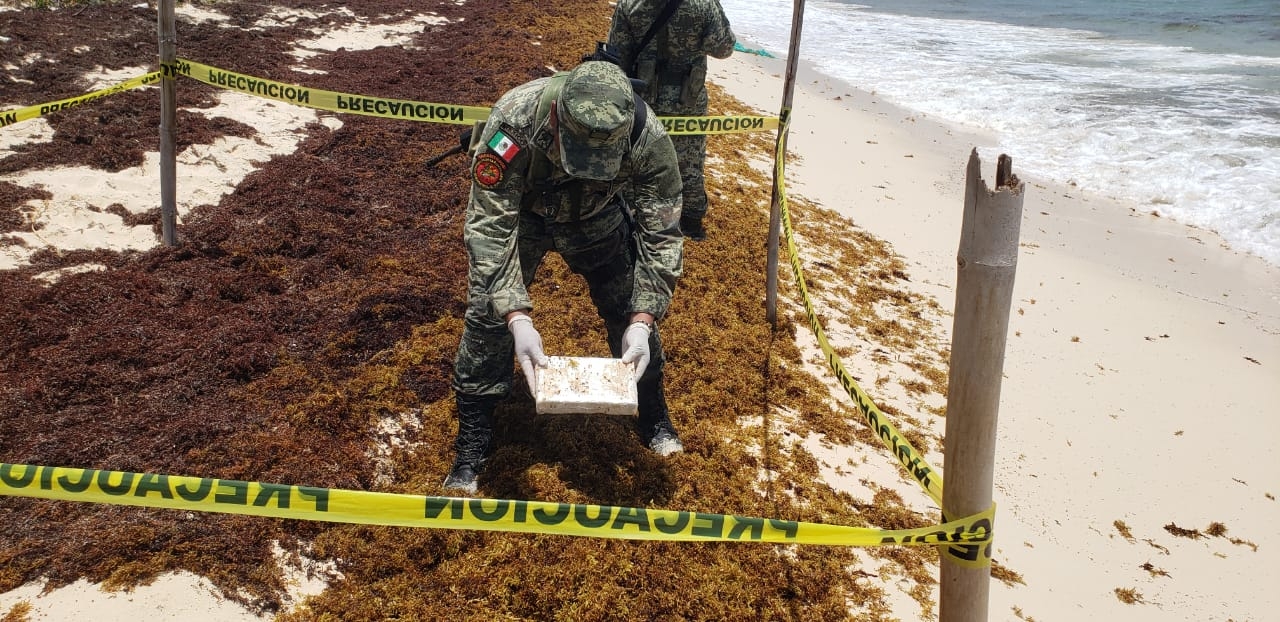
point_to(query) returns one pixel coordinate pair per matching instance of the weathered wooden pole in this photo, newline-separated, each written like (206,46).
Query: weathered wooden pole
(987,261)
(775,207)
(167,31)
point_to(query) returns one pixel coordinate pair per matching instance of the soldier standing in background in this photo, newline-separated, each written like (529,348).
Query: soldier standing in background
(554,157)
(673,65)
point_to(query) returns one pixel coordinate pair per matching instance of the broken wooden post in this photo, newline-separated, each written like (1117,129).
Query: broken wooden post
(987,261)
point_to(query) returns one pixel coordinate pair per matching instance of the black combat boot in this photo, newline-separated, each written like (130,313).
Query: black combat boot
(475,433)
(691,227)
(663,439)
(654,423)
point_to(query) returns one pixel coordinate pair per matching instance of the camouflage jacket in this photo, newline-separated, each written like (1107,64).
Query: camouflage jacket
(516,167)
(674,63)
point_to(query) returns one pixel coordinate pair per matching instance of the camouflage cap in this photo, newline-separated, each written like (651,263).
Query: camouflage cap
(595,111)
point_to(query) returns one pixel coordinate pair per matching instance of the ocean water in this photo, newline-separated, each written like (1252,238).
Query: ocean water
(1172,104)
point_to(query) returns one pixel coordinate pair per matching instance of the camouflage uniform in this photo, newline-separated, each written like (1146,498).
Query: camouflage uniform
(523,204)
(674,65)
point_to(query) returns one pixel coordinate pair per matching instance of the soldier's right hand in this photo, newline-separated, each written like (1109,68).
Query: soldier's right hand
(528,348)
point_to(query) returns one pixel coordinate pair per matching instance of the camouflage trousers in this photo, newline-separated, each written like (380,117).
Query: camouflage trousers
(691,151)
(601,250)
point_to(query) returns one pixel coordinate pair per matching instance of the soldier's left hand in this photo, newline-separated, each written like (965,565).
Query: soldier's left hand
(635,347)
(528,346)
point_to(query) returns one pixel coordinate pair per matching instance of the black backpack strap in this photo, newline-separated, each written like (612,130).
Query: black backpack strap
(663,18)
(642,117)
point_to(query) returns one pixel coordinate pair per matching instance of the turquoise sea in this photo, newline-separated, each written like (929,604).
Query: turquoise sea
(1172,104)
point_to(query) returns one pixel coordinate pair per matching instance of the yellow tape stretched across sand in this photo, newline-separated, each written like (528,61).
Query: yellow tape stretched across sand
(329,100)
(379,508)
(360,104)
(426,111)
(9,117)
(908,456)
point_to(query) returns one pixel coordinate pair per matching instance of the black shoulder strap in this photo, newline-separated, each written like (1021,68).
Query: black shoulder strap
(642,116)
(663,18)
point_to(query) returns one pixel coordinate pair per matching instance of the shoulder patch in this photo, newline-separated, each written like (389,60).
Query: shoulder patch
(513,131)
(503,145)
(488,170)
(543,139)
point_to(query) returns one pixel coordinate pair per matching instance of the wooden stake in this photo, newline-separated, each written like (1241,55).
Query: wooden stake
(775,206)
(167,31)
(987,261)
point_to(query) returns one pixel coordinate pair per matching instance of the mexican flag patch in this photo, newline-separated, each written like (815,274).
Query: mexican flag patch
(504,146)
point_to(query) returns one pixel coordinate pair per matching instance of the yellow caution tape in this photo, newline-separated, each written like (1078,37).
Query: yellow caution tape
(424,111)
(330,100)
(377,508)
(973,555)
(359,104)
(928,477)
(9,117)
(931,480)
(737,124)
(911,459)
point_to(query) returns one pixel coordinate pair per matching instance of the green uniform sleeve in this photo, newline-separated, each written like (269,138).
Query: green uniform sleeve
(655,200)
(492,220)
(623,37)
(719,38)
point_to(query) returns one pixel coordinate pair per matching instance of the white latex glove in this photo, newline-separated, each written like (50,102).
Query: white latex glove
(528,348)
(635,347)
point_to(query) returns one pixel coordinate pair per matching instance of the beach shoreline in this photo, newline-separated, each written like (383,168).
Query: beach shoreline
(1119,319)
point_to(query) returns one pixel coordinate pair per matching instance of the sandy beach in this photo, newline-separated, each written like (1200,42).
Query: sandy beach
(1141,371)
(1136,469)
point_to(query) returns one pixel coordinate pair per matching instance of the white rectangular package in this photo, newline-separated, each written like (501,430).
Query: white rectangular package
(585,385)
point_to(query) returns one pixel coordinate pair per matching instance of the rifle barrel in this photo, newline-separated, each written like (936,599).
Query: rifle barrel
(436,160)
